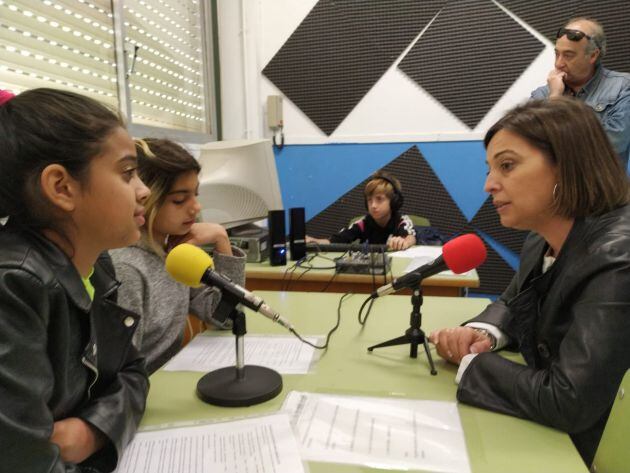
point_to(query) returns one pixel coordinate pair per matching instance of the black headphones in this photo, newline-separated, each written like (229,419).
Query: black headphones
(396,202)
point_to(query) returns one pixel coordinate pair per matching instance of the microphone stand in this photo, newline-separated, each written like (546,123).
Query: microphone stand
(239,385)
(414,335)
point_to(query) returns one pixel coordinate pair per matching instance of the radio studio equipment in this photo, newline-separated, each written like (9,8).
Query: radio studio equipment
(277,238)
(241,385)
(297,233)
(253,240)
(359,258)
(460,255)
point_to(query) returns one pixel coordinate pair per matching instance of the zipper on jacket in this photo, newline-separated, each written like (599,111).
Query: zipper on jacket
(93,368)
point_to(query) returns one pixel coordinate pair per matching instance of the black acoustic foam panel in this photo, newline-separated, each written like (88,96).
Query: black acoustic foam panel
(426,196)
(469,56)
(614,15)
(423,192)
(494,275)
(341,49)
(545,17)
(487,220)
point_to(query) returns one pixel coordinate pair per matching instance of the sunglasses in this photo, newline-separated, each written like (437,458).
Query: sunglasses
(572,35)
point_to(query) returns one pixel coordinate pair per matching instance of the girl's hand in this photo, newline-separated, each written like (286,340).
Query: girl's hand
(77,440)
(204,233)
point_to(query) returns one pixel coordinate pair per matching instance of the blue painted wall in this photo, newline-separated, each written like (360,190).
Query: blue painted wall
(315,176)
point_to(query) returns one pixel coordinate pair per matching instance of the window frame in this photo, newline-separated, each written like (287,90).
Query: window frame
(209,74)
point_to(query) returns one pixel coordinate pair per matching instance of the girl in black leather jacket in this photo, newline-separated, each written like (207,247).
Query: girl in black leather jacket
(553,171)
(72,387)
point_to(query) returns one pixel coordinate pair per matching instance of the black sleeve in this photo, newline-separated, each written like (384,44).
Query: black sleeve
(350,234)
(26,376)
(579,385)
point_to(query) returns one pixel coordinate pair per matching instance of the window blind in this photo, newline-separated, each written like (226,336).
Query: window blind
(70,44)
(166,84)
(61,44)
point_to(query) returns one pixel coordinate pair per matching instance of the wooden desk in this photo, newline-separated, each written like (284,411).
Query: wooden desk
(263,276)
(496,443)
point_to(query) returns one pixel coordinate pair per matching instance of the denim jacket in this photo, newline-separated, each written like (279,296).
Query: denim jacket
(608,94)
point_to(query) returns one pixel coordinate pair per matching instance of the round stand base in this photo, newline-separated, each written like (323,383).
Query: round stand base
(222,388)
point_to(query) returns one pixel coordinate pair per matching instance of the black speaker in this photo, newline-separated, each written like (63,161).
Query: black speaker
(297,233)
(277,238)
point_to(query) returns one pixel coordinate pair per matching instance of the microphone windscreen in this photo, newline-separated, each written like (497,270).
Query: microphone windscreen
(464,253)
(187,263)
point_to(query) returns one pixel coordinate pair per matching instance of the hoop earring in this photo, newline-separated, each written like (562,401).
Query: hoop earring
(555,192)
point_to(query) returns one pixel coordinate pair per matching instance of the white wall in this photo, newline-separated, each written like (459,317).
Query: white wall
(394,110)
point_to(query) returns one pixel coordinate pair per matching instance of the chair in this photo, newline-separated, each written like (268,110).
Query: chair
(193,327)
(613,454)
(419,221)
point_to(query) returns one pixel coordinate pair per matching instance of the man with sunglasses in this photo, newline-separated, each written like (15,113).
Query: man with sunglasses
(578,72)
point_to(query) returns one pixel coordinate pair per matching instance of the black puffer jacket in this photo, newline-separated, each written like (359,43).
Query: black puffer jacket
(572,326)
(62,355)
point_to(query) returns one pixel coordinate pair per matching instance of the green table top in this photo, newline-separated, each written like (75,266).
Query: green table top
(496,443)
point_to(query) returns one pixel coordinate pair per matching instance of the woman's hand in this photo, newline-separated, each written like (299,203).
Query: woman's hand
(204,233)
(77,440)
(453,344)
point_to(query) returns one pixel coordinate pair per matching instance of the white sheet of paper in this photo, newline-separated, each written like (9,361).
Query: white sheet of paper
(265,444)
(386,433)
(419,251)
(421,255)
(285,354)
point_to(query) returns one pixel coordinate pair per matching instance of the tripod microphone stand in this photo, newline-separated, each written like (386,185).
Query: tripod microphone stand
(414,335)
(239,385)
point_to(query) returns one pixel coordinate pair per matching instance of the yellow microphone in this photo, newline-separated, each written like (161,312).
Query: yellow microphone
(187,263)
(190,265)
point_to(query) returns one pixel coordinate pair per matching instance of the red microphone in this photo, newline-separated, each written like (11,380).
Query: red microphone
(461,254)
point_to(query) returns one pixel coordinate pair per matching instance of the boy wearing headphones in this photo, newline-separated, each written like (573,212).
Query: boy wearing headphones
(384,224)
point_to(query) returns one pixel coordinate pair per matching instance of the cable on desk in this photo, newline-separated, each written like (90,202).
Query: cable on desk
(367,314)
(332,330)
(312,257)
(370,299)
(290,270)
(332,278)
(391,274)
(303,263)
(302,274)
(327,285)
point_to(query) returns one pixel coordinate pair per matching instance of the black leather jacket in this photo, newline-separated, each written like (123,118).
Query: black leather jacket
(572,326)
(62,355)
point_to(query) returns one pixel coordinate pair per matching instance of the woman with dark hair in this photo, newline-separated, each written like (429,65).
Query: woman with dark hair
(163,304)
(72,387)
(552,170)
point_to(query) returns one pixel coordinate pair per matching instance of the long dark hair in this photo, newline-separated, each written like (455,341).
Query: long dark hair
(40,127)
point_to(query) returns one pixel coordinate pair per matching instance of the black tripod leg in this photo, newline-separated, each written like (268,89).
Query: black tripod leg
(428,352)
(413,349)
(389,343)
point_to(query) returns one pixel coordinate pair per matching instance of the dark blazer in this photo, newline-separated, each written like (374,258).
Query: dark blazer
(572,326)
(62,355)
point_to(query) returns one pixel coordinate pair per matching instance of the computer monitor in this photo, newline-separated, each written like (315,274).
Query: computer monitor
(238,183)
